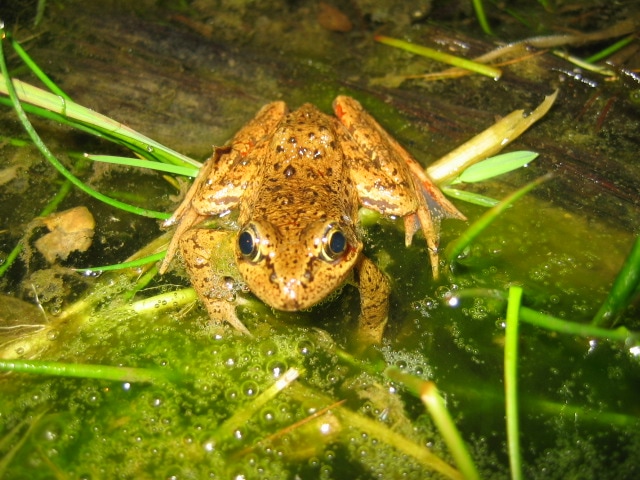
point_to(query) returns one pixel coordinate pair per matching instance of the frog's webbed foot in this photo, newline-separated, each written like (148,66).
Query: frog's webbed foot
(225,311)
(422,220)
(433,206)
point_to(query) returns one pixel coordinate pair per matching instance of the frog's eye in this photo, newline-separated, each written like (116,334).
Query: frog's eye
(249,244)
(334,244)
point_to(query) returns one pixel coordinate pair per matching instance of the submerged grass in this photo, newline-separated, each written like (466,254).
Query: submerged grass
(447,58)
(511,382)
(625,287)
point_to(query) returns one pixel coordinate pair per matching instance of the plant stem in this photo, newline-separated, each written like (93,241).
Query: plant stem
(511,382)
(435,404)
(482,18)
(611,49)
(548,322)
(79,370)
(624,287)
(476,67)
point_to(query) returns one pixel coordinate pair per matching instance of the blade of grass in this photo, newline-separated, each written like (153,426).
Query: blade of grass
(119,266)
(150,165)
(478,6)
(242,416)
(470,197)
(433,401)
(141,283)
(55,162)
(65,120)
(108,127)
(543,320)
(402,444)
(79,370)
(33,66)
(476,228)
(480,68)
(624,287)
(579,62)
(611,49)
(39,12)
(495,166)
(484,170)
(511,382)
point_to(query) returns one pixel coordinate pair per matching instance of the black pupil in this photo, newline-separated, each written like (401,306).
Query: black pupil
(337,242)
(246,243)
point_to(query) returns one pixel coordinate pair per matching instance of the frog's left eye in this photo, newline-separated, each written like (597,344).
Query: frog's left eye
(249,244)
(334,244)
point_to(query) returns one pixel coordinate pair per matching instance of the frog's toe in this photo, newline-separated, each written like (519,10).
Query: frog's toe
(224,311)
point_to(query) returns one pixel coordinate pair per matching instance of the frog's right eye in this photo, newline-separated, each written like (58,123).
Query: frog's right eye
(249,244)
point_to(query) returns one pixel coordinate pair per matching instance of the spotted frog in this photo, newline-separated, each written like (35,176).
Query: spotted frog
(296,181)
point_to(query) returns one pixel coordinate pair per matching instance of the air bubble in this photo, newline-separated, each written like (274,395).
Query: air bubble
(306,347)
(267,416)
(231,394)
(249,389)
(268,348)
(401,364)
(276,368)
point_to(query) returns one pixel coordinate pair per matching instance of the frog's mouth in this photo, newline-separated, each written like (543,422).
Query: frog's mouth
(293,294)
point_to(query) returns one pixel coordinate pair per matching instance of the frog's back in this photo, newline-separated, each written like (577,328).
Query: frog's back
(305,176)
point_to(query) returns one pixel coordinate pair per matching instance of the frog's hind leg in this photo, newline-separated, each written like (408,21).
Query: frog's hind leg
(399,176)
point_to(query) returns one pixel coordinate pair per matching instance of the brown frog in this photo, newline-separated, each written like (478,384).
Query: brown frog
(297,180)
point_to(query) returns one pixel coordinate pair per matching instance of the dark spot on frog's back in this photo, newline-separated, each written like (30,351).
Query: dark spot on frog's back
(289,171)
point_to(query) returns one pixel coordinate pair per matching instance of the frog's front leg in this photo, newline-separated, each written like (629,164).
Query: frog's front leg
(374,301)
(209,261)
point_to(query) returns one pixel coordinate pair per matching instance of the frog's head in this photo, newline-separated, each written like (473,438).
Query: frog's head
(295,269)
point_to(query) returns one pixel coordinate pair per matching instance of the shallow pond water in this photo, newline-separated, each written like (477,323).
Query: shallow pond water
(207,406)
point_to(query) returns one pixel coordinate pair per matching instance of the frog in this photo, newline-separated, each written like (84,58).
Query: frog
(295,181)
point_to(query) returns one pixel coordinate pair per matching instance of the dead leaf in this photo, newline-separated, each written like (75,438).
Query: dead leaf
(69,231)
(330,18)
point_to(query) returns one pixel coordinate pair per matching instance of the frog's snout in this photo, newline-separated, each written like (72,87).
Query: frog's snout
(291,295)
